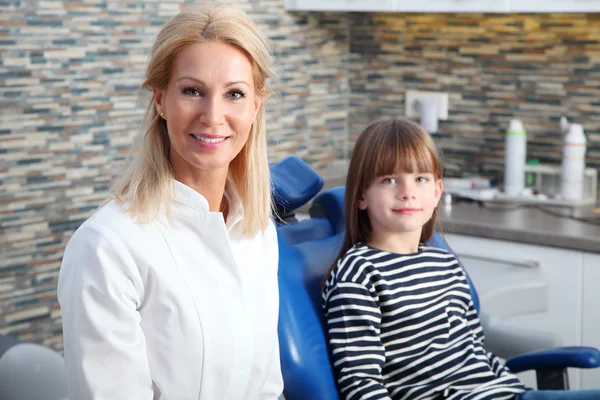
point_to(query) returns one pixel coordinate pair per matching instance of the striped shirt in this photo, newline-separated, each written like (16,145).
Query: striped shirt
(403,326)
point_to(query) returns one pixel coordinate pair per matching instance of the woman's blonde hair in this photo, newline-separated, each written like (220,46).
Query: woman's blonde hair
(385,147)
(145,184)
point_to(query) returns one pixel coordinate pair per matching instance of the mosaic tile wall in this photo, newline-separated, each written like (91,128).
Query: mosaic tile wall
(535,67)
(70,104)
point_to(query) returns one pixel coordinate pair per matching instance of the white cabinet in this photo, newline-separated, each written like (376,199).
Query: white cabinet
(591,312)
(529,286)
(452,6)
(341,5)
(554,6)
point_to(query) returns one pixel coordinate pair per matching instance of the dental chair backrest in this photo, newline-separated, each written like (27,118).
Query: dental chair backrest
(307,248)
(30,371)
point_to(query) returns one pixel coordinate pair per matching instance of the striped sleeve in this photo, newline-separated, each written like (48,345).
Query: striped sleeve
(497,366)
(353,323)
(472,316)
(495,363)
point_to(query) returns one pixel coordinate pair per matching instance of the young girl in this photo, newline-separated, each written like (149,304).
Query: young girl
(401,321)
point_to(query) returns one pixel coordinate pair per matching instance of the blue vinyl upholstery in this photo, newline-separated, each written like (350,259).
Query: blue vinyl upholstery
(305,365)
(330,203)
(307,230)
(294,183)
(570,356)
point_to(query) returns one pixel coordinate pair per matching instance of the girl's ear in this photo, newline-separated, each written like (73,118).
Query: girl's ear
(439,188)
(362,203)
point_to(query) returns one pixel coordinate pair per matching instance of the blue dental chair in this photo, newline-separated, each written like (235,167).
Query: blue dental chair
(306,250)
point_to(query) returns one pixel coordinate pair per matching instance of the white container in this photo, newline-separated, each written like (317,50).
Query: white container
(573,164)
(515,153)
(428,115)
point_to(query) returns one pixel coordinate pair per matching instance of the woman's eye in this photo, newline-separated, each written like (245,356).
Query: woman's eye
(389,181)
(190,91)
(422,179)
(236,94)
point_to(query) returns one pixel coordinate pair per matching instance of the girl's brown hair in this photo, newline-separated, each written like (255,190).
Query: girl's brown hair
(385,147)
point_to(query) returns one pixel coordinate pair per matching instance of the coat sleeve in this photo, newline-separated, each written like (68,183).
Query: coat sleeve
(100,291)
(273,385)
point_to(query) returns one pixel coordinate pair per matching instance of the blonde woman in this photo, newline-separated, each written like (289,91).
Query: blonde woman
(169,291)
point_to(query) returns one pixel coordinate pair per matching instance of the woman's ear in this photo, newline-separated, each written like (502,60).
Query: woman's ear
(257,103)
(157,96)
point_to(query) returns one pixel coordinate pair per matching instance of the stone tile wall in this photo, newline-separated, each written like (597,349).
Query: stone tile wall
(70,104)
(535,67)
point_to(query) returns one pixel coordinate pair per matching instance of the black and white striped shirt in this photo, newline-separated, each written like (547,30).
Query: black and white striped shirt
(404,327)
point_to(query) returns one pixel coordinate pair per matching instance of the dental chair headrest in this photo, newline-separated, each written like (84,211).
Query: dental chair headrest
(330,204)
(294,183)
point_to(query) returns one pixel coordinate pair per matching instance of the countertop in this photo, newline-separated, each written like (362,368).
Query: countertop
(526,225)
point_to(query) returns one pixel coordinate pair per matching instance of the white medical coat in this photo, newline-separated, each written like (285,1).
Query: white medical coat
(176,310)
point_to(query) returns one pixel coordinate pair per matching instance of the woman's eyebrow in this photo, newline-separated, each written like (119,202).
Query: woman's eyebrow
(201,82)
(236,83)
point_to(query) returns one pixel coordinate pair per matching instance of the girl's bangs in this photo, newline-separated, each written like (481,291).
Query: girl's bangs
(396,155)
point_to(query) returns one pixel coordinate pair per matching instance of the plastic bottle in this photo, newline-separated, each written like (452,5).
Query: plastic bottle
(530,176)
(573,163)
(515,152)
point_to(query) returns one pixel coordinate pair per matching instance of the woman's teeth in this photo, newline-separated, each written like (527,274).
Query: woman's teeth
(209,140)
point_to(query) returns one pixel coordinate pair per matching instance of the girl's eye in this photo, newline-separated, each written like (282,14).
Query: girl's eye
(389,181)
(422,179)
(236,95)
(190,91)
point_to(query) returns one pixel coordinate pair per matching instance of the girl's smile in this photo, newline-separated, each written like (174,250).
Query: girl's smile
(407,211)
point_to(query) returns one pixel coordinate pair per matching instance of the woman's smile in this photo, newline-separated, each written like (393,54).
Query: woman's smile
(209,142)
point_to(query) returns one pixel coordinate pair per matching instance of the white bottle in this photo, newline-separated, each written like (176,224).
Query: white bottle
(573,164)
(515,152)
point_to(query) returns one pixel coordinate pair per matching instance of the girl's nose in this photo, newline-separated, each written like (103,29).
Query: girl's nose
(406,191)
(212,111)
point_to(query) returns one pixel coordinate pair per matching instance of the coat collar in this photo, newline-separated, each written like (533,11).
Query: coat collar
(189,197)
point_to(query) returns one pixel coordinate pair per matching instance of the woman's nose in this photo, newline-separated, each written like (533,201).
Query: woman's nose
(212,112)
